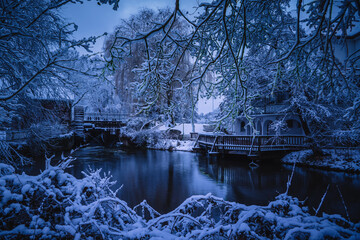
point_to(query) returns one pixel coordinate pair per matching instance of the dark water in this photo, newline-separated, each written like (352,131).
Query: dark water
(166,179)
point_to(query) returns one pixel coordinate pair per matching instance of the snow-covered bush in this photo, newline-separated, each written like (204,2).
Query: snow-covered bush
(137,132)
(336,159)
(6,169)
(209,217)
(144,138)
(55,204)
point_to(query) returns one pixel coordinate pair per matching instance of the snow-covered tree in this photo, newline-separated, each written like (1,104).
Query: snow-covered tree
(37,54)
(256,48)
(142,67)
(38,60)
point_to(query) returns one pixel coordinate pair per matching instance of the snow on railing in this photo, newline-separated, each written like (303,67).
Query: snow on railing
(253,143)
(105,117)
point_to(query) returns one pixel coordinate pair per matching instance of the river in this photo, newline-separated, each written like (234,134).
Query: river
(165,179)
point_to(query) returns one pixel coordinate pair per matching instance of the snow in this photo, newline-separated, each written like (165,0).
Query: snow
(185,128)
(66,135)
(25,189)
(159,138)
(173,144)
(6,169)
(334,159)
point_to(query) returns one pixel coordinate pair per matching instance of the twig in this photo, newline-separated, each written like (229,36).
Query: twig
(343,202)
(322,200)
(288,184)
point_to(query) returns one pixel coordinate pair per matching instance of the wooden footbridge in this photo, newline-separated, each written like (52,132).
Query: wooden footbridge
(249,145)
(105,122)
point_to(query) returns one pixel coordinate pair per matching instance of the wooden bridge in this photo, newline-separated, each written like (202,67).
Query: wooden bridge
(104,121)
(249,145)
(108,122)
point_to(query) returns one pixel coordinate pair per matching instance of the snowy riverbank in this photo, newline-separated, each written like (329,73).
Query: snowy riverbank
(159,138)
(55,204)
(173,145)
(333,159)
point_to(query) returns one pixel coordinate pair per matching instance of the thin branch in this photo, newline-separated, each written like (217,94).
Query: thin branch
(322,200)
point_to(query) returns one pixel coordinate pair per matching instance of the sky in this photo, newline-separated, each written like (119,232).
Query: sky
(94,20)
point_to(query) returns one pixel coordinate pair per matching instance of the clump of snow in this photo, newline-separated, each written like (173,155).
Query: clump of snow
(173,144)
(336,159)
(161,137)
(185,128)
(66,135)
(55,204)
(6,169)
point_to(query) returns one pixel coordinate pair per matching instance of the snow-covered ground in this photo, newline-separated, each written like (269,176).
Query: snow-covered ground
(334,159)
(185,128)
(173,144)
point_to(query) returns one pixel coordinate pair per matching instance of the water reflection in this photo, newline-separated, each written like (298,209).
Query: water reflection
(166,179)
(263,184)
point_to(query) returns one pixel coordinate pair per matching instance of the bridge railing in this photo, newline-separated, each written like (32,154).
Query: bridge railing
(104,117)
(247,143)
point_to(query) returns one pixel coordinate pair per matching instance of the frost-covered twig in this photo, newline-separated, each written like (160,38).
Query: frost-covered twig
(48,162)
(288,184)
(11,156)
(322,200)
(144,205)
(343,202)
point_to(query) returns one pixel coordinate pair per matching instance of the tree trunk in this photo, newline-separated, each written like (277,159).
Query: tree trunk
(314,145)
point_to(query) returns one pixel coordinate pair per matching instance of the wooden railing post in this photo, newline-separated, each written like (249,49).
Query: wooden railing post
(213,146)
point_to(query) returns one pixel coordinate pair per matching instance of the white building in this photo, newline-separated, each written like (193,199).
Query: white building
(268,112)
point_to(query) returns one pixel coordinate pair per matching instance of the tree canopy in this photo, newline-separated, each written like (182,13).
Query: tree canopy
(251,48)
(255,48)
(38,56)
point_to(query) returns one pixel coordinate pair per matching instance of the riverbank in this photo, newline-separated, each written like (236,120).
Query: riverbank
(347,160)
(173,145)
(177,138)
(55,204)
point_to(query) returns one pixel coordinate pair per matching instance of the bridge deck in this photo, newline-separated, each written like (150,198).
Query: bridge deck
(249,145)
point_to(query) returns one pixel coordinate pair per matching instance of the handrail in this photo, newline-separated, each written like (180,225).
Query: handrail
(104,117)
(246,142)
